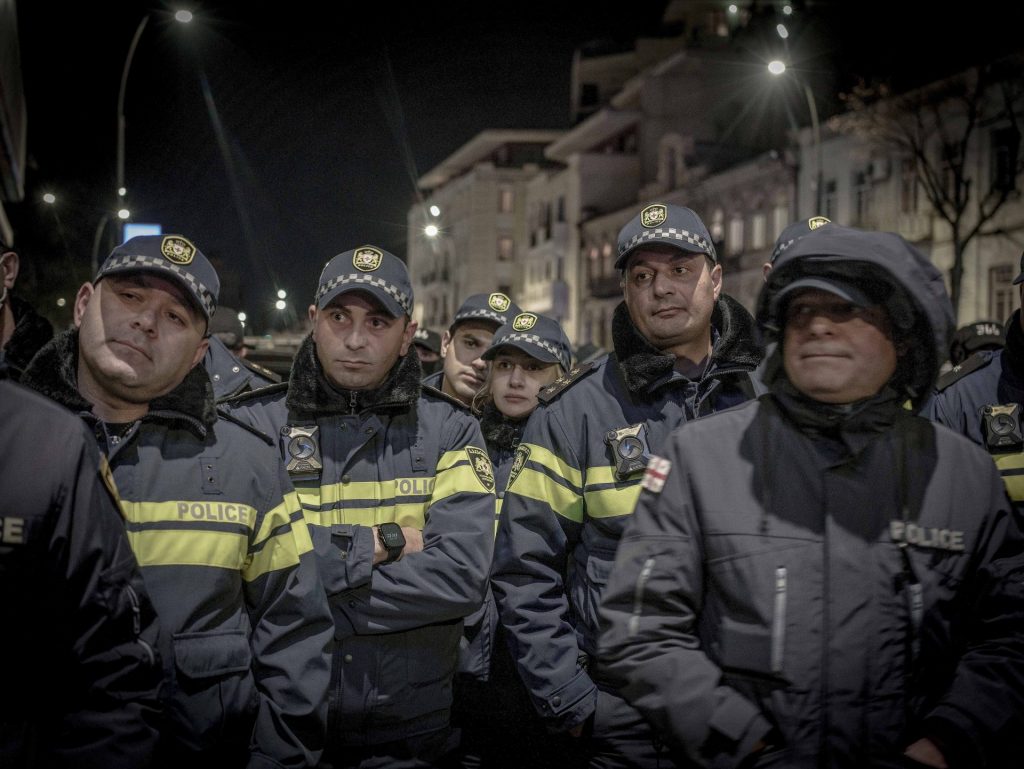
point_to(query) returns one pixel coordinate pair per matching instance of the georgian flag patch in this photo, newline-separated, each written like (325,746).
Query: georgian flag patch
(657,471)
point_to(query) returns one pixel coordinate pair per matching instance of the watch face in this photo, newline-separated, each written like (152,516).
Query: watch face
(391,535)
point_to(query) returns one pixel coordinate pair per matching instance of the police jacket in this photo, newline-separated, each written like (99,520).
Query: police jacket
(31,332)
(574,484)
(402,453)
(245,626)
(837,581)
(79,670)
(988,378)
(231,375)
(481,632)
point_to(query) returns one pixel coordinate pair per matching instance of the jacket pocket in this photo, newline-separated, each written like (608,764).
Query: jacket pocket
(215,697)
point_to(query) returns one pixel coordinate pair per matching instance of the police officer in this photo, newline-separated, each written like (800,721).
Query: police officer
(463,370)
(526,354)
(22,330)
(208,509)
(79,670)
(821,578)
(975,337)
(682,350)
(398,493)
(982,398)
(225,361)
(428,346)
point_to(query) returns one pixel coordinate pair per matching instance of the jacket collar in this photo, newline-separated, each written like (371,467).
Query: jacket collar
(309,392)
(31,332)
(54,373)
(498,430)
(643,366)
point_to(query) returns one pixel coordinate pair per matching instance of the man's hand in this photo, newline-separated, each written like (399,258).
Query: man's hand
(925,752)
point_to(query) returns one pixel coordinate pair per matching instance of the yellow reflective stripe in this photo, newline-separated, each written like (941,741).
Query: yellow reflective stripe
(279,542)
(1011,468)
(604,474)
(557,465)
(534,484)
(185,546)
(379,497)
(455,475)
(181,511)
(497,514)
(607,503)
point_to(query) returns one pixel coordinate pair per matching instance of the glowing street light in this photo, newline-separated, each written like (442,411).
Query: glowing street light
(431,231)
(242,317)
(123,214)
(778,67)
(788,10)
(50,198)
(282,294)
(435,211)
(734,9)
(280,304)
(781,29)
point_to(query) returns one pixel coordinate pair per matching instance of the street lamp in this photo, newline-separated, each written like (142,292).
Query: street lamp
(777,67)
(182,17)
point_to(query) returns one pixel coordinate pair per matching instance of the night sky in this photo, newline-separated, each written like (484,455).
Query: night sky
(275,139)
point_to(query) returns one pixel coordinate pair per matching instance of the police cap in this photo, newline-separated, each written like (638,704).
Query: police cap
(494,308)
(793,232)
(665,223)
(369,269)
(173,257)
(538,336)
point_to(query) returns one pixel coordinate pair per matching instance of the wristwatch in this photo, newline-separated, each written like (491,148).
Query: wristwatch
(391,539)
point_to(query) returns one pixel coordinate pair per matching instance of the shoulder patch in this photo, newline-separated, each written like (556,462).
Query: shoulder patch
(481,464)
(263,372)
(522,454)
(437,393)
(259,392)
(969,366)
(563,383)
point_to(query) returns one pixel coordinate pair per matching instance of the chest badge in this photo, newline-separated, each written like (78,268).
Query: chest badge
(629,449)
(301,449)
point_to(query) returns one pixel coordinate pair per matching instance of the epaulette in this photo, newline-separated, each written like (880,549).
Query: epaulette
(229,417)
(958,372)
(266,373)
(564,382)
(259,392)
(431,390)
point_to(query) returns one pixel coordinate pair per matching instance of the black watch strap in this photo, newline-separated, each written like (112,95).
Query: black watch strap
(392,540)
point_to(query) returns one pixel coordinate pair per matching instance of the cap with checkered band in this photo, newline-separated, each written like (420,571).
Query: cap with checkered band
(369,269)
(494,308)
(174,257)
(793,232)
(538,336)
(668,224)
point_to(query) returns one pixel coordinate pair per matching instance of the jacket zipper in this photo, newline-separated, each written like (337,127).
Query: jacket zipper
(779,621)
(638,596)
(137,624)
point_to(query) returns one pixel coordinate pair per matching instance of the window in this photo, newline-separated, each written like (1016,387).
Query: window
(1005,152)
(909,186)
(560,209)
(506,249)
(1001,291)
(734,243)
(607,262)
(757,231)
(780,218)
(862,194)
(830,199)
(506,200)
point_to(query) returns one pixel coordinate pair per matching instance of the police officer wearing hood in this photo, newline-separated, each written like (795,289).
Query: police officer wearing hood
(682,350)
(398,493)
(821,578)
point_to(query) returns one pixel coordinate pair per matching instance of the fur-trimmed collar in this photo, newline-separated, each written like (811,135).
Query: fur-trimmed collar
(310,393)
(642,365)
(31,332)
(54,373)
(498,430)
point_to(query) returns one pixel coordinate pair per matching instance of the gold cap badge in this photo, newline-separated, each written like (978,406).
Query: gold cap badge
(367,258)
(177,249)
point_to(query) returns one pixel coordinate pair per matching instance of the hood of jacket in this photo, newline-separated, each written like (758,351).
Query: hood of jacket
(917,302)
(309,392)
(54,373)
(642,364)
